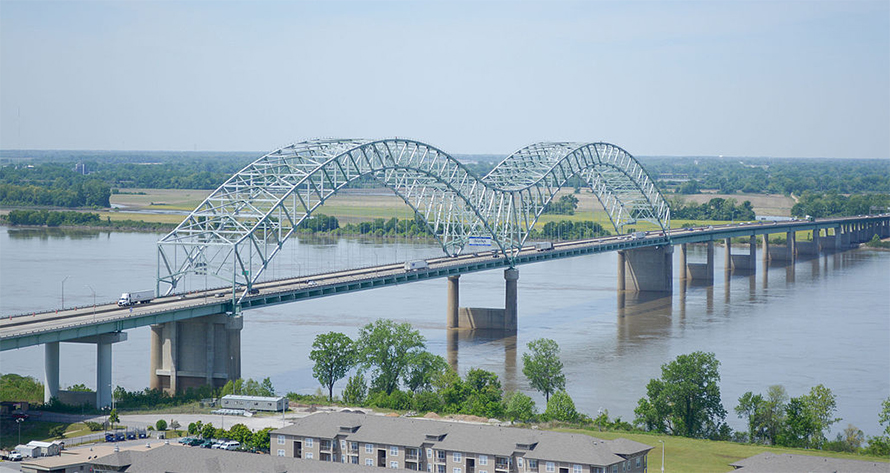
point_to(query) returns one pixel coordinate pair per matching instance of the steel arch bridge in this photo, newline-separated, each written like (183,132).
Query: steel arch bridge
(234,234)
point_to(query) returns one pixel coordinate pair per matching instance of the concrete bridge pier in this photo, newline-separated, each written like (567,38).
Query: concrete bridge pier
(699,272)
(783,253)
(809,247)
(742,262)
(195,352)
(765,241)
(103,344)
(648,269)
(479,318)
(50,371)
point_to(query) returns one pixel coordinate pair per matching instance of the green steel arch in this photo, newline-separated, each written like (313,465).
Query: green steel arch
(234,234)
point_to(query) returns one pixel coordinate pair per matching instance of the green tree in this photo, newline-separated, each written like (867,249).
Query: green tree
(808,417)
(266,388)
(228,388)
(334,355)
(174,425)
(241,434)
(484,395)
(520,407)
(821,404)
(208,430)
(387,347)
(356,390)
(772,414)
(113,418)
(561,407)
(161,424)
(751,408)
(423,368)
(686,400)
(542,366)
(261,439)
(79,388)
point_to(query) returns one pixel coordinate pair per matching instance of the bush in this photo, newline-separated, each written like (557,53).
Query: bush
(561,407)
(161,424)
(427,401)
(58,431)
(356,391)
(397,400)
(93,426)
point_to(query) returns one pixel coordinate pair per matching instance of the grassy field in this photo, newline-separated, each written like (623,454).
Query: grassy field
(706,456)
(356,205)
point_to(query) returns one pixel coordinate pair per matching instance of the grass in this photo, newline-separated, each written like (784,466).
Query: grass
(706,456)
(31,430)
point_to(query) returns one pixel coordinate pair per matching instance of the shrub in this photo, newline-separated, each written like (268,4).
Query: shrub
(58,431)
(93,426)
(161,424)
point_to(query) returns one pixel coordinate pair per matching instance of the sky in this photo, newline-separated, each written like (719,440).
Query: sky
(670,78)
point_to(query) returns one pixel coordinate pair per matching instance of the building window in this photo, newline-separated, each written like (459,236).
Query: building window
(614,468)
(394,451)
(457,470)
(576,468)
(309,455)
(550,467)
(342,445)
(393,465)
(369,462)
(638,462)
(353,459)
(429,453)
(429,467)
(533,464)
(456,458)
(309,443)
(280,452)
(440,456)
(440,468)
(369,448)
(483,459)
(519,462)
(281,440)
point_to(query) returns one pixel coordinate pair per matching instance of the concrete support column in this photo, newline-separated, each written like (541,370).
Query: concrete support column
(50,371)
(171,353)
(817,246)
(103,374)
(209,352)
(752,249)
(728,263)
(621,270)
(683,273)
(453,306)
(233,334)
(710,262)
(648,269)
(511,306)
(156,354)
(792,243)
(765,239)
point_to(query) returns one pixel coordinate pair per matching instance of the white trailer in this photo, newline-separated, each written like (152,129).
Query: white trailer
(543,246)
(138,297)
(639,235)
(416,265)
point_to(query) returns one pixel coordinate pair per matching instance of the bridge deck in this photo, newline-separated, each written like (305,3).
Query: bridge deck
(34,329)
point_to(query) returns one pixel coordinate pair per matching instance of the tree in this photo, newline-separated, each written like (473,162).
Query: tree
(241,434)
(356,390)
(261,439)
(423,368)
(484,395)
(561,407)
(542,366)
(161,424)
(228,388)
(520,407)
(773,412)
(334,355)
(387,347)
(266,388)
(820,405)
(686,400)
(207,430)
(113,418)
(174,425)
(750,407)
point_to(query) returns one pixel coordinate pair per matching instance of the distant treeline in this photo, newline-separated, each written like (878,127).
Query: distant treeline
(52,218)
(769,175)
(51,185)
(836,205)
(715,209)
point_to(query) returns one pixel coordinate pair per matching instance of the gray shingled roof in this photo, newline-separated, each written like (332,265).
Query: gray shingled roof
(788,463)
(465,437)
(177,459)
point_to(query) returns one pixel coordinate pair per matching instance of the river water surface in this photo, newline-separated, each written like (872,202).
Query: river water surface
(824,320)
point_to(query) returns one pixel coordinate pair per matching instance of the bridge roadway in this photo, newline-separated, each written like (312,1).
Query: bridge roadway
(25,330)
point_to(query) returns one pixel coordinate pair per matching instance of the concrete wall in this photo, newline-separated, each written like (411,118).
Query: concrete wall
(77,398)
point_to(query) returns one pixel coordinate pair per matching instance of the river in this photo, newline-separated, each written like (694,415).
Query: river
(824,320)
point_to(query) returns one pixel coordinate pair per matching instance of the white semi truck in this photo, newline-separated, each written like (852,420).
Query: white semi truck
(543,246)
(138,297)
(416,265)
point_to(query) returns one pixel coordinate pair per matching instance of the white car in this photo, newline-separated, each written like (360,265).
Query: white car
(15,457)
(231,445)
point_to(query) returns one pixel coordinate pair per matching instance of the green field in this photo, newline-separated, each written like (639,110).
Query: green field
(706,456)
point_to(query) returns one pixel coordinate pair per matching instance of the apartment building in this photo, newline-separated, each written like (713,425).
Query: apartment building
(452,447)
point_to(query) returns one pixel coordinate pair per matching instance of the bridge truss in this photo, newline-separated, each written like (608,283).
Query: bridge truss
(234,234)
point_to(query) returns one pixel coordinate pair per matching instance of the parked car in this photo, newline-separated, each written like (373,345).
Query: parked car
(15,457)
(231,445)
(109,437)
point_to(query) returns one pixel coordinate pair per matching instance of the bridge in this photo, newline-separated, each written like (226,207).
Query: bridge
(234,234)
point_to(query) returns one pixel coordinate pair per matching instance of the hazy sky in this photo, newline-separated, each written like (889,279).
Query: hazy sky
(741,78)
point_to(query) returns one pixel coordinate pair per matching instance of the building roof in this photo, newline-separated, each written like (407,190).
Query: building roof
(789,463)
(238,397)
(76,456)
(464,437)
(176,459)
